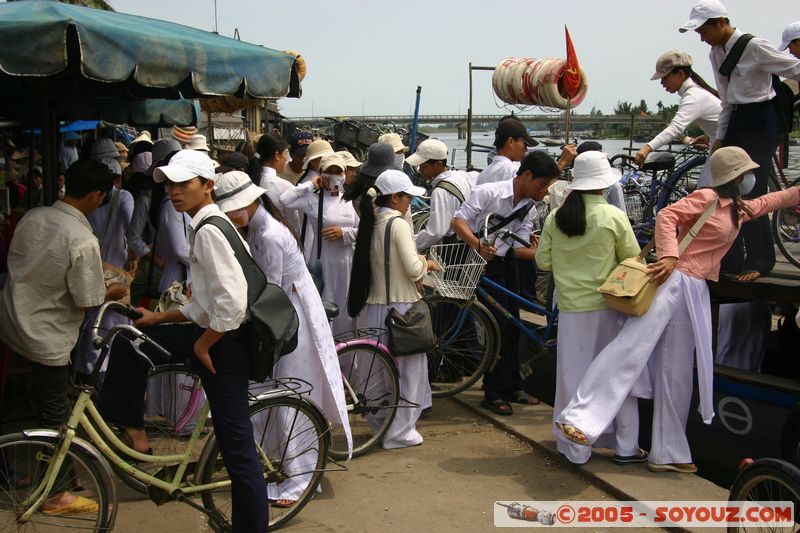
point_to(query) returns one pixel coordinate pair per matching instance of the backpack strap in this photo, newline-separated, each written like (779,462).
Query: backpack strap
(452,188)
(387,240)
(520,214)
(727,66)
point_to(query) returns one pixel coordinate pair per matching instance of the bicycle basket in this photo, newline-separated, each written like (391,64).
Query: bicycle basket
(461,268)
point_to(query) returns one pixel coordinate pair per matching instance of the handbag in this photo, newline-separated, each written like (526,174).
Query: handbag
(273,318)
(410,332)
(627,289)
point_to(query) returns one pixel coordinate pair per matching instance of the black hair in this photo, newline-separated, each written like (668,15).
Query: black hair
(571,216)
(278,215)
(731,190)
(361,274)
(360,185)
(159,193)
(85,176)
(540,164)
(434,161)
(695,77)
(266,148)
(715,21)
(137,148)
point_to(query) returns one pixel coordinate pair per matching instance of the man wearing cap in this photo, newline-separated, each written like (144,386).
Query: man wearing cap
(217,342)
(54,275)
(450,190)
(748,119)
(790,39)
(699,103)
(512,200)
(298,146)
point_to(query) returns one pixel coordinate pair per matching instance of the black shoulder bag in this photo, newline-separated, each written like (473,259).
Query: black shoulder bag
(412,332)
(273,319)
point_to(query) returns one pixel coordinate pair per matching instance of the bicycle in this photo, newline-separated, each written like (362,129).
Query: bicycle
(763,480)
(291,438)
(468,336)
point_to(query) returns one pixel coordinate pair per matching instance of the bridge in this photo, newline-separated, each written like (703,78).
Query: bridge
(551,122)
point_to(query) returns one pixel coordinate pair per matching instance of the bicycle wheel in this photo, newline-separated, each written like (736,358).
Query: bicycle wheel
(293,436)
(420,219)
(467,337)
(681,183)
(23,463)
(767,480)
(174,400)
(786,232)
(372,375)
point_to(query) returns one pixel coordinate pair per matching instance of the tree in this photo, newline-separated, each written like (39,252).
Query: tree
(642,108)
(96,4)
(623,108)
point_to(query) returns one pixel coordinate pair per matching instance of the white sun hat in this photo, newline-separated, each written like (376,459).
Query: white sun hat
(430,149)
(592,172)
(394,181)
(235,190)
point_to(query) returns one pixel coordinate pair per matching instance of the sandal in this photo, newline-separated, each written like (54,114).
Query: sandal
(524,398)
(748,276)
(81,505)
(681,468)
(640,457)
(282,503)
(573,434)
(498,407)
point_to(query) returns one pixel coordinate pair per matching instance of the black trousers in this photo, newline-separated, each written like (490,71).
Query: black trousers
(504,380)
(754,129)
(50,390)
(122,402)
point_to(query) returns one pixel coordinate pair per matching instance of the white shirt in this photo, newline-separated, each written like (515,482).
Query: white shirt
(219,288)
(497,198)
(500,169)
(443,207)
(276,186)
(54,273)
(697,106)
(751,79)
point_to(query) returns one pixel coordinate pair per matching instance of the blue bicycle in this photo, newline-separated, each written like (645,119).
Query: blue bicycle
(468,336)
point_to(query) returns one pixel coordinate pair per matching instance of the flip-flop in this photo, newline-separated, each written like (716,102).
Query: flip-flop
(571,433)
(497,407)
(640,457)
(81,505)
(524,398)
(282,503)
(681,468)
(747,273)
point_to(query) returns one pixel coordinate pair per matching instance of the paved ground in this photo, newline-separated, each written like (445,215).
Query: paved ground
(449,483)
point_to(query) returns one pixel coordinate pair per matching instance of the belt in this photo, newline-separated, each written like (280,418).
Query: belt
(751,105)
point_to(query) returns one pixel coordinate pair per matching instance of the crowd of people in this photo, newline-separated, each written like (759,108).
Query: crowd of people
(318,222)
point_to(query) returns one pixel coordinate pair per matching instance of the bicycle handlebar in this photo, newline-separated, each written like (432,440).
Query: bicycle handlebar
(502,234)
(99,341)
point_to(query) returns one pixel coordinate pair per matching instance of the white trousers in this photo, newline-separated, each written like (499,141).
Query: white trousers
(581,336)
(664,337)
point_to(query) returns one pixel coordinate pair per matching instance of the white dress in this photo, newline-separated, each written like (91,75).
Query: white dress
(337,256)
(276,186)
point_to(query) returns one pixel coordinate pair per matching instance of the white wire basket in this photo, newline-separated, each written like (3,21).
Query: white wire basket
(461,268)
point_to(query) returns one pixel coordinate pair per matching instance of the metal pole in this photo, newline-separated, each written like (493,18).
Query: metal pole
(413,141)
(630,143)
(567,123)
(469,121)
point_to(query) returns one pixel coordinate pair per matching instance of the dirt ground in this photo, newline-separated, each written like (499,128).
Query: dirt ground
(449,483)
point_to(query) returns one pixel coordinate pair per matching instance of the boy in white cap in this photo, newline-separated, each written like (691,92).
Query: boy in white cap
(748,118)
(216,341)
(450,189)
(790,39)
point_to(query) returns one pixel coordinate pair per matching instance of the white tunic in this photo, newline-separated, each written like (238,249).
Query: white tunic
(337,255)
(112,234)
(276,186)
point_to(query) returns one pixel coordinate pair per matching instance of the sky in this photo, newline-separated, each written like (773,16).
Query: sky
(369,56)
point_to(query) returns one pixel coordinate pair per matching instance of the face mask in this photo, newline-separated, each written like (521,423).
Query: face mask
(335,181)
(240,217)
(400,158)
(747,183)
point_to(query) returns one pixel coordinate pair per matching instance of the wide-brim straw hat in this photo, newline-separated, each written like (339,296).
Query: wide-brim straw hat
(349,159)
(198,142)
(316,150)
(592,172)
(143,137)
(395,140)
(728,163)
(235,190)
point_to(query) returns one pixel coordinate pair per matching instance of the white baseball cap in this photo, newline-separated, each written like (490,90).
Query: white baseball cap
(185,165)
(394,181)
(701,12)
(431,149)
(790,33)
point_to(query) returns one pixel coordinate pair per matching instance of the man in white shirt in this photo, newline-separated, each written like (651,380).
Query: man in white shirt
(450,189)
(216,342)
(748,119)
(513,201)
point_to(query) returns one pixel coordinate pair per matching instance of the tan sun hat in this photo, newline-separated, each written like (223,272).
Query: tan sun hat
(669,62)
(395,140)
(349,159)
(729,163)
(332,160)
(316,150)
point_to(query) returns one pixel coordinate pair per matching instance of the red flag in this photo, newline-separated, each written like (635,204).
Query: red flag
(571,74)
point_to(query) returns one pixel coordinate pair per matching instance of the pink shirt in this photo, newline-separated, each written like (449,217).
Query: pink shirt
(702,258)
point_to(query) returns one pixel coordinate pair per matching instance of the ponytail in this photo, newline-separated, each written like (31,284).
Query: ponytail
(695,77)
(571,216)
(731,190)
(361,275)
(278,215)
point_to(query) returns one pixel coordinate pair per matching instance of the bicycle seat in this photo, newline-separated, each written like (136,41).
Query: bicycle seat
(331,309)
(659,161)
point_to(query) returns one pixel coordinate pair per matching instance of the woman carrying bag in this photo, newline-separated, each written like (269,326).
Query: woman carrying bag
(581,243)
(678,322)
(371,299)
